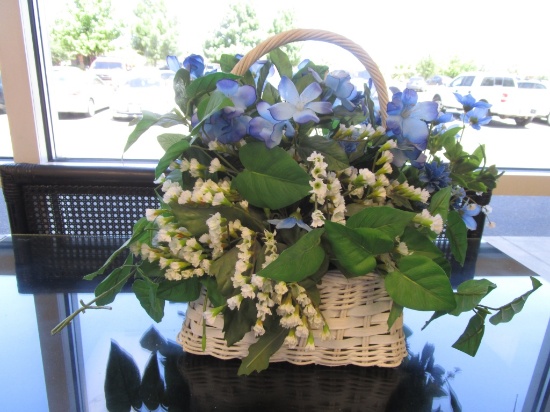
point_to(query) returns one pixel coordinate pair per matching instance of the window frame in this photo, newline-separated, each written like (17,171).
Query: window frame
(28,112)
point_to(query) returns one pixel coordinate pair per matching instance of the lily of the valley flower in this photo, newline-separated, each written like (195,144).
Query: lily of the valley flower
(300,107)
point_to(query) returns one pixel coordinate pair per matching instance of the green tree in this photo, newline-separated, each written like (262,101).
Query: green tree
(86,31)
(402,73)
(426,67)
(238,33)
(155,34)
(282,22)
(456,66)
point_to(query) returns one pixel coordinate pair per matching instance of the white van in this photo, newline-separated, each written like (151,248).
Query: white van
(498,89)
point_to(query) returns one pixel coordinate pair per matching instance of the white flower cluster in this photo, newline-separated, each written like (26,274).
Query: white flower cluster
(290,301)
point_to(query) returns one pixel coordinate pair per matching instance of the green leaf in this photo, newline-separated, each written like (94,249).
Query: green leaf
(113,283)
(389,220)
(439,203)
(395,312)
(146,292)
(282,63)
(470,293)
(271,179)
(420,284)
(334,155)
(260,352)
(206,84)
(166,140)
(209,106)
(506,313)
(470,339)
(457,233)
(355,249)
(170,155)
(223,269)
(298,261)
(238,322)
(122,381)
(185,290)
(148,120)
(212,292)
(227,62)
(420,244)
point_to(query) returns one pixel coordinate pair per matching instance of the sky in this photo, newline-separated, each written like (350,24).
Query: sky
(496,35)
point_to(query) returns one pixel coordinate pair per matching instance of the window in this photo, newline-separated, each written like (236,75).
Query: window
(488,81)
(39,133)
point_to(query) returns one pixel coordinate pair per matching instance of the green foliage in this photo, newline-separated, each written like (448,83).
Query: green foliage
(155,33)
(426,67)
(455,66)
(271,178)
(283,21)
(237,34)
(87,29)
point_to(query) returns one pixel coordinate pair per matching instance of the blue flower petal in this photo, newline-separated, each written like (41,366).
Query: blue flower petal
(311,92)
(305,116)
(173,63)
(227,86)
(320,107)
(288,91)
(282,111)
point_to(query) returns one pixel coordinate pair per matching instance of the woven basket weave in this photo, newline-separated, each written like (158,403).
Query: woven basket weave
(356,310)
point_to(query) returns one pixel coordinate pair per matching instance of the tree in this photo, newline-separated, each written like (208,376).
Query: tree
(238,33)
(155,34)
(87,31)
(426,67)
(455,67)
(282,22)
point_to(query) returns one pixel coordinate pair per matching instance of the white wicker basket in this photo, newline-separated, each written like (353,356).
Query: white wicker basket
(356,311)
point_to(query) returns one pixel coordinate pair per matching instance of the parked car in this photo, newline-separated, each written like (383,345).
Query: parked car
(76,91)
(111,70)
(143,90)
(417,83)
(500,90)
(539,93)
(439,80)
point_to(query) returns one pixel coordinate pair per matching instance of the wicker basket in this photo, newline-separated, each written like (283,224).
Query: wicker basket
(356,310)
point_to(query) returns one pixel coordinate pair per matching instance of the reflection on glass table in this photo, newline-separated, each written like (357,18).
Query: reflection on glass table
(113,360)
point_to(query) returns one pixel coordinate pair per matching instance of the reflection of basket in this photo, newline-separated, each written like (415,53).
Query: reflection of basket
(356,309)
(214,385)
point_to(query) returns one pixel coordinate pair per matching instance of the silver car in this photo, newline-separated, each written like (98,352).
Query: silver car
(76,91)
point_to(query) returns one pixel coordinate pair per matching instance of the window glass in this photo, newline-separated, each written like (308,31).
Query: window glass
(488,81)
(136,35)
(508,82)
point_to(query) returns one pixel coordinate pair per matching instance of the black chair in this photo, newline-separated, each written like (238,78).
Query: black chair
(87,211)
(76,200)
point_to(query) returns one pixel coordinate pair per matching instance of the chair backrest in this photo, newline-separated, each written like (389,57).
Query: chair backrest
(76,200)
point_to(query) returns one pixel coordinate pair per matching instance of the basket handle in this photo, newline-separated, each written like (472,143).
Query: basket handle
(293,35)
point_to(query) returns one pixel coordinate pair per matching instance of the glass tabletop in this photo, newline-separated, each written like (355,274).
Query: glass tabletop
(111,360)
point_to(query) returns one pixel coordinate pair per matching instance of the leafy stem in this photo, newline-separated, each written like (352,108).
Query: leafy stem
(88,305)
